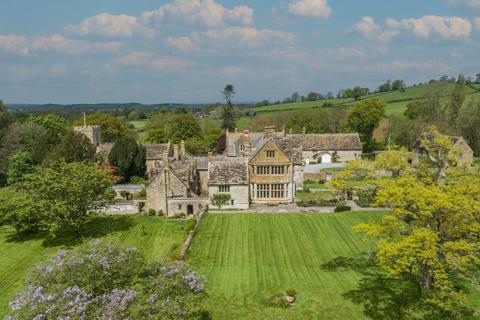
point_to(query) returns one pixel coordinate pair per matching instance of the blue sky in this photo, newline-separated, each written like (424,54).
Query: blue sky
(57,51)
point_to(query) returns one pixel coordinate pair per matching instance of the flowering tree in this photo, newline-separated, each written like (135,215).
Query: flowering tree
(103,281)
(431,233)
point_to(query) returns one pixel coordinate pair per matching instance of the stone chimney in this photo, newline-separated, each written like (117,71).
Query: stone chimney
(269,129)
(166,160)
(176,155)
(236,129)
(284,134)
(304,130)
(247,146)
(183,151)
(210,156)
(290,131)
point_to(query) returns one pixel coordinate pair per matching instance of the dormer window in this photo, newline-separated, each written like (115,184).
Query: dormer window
(270,153)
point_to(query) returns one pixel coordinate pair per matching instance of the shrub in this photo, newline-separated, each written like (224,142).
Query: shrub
(138,180)
(342,208)
(142,194)
(220,199)
(151,212)
(104,281)
(277,300)
(291,292)
(366,198)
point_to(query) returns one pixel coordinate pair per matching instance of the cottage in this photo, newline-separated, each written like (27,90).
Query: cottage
(465,156)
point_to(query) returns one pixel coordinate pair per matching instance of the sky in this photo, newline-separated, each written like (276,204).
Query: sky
(186,51)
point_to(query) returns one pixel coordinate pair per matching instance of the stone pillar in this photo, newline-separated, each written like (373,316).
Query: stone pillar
(183,151)
(304,130)
(176,154)
(247,146)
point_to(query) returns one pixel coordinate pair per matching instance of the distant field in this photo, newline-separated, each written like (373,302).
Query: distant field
(154,236)
(396,100)
(138,124)
(249,257)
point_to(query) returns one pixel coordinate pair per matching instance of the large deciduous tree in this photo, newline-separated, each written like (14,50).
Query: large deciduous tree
(364,118)
(431,233)
(74,147)
(67,194)
(19,164)
(112,128)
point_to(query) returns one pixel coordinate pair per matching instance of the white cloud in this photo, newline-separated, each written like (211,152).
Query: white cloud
(466,3)
(373,32)
(184,44)
(23,45)
(12,43)
(398,66)
(239,36)
(148,59)
(204,12)
(310,8)
(65,45)
(426,26)
(106,24)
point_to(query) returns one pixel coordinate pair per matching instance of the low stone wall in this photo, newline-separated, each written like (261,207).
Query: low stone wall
(191,235)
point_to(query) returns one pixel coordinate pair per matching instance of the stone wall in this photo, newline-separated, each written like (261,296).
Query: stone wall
(239,195)
(91,132)
(342,156)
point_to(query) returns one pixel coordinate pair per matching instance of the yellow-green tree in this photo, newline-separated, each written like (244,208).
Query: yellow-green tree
(394,161)
(432,230)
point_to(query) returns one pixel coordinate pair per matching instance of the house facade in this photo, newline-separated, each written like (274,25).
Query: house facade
(257,168)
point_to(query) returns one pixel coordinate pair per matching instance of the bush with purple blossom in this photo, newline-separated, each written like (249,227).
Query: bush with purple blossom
(101,280)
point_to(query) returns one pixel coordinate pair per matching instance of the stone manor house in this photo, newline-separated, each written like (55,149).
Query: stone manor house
(256,168)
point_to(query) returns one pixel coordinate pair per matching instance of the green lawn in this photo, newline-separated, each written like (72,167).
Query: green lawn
(249,257)
(154,236)
(138,124)
(313,185)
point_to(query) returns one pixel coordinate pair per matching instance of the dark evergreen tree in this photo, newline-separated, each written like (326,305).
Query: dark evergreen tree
(228,116)
(130,158)
(74,147)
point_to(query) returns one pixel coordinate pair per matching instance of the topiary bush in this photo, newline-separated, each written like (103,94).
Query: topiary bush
(151,212)
(291,292)
(342,208)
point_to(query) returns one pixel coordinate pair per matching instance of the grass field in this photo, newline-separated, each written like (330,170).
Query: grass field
(154,236)
(247,258)
(396,101)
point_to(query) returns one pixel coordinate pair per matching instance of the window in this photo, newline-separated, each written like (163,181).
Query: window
(270,153)
(278,191)
(268,191)
(179,207)
(263,191)
(224,188)
(242,147)
(232,202)
(270,170)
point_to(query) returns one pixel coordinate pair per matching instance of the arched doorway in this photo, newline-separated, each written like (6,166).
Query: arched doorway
(326,158)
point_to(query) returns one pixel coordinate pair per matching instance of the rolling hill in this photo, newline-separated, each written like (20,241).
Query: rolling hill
(397,101)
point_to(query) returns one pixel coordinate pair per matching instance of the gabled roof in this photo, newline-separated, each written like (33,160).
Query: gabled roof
(262,146)
(155,151)
(456,141)
(228,172)
(323,142)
